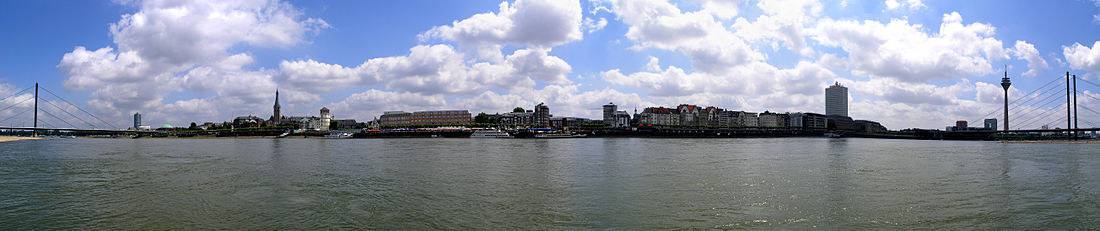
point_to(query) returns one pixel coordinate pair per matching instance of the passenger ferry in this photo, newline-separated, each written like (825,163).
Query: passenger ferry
(490,133)
(559,135)
(338,135)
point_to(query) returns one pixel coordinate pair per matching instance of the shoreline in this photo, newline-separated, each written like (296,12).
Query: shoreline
(16,138)
(1051,142)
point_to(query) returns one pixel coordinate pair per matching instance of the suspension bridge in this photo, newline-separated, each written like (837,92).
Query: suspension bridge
(25,109)
(1040,114)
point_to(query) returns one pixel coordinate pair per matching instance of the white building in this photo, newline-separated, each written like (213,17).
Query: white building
(615,118)
(836,100)
(768,119)
(749,119)
(326,119)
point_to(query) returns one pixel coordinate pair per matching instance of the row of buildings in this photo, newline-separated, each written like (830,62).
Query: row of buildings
(836,117)
(323,122)
(397,118)
(692,115)
(962,125)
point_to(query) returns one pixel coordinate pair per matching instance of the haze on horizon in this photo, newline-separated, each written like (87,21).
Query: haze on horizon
(907,63)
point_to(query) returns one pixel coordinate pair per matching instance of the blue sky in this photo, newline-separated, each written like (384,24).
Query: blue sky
(908,63)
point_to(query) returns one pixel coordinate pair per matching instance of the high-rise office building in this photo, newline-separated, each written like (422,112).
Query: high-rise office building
(137,120)
(609,113)
(542,115)
(836,100)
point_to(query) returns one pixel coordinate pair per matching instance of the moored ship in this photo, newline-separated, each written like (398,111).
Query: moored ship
(490,133)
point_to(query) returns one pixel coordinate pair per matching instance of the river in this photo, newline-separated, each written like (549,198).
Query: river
(593,183)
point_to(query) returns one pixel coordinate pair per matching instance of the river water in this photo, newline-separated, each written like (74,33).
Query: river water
(623,183)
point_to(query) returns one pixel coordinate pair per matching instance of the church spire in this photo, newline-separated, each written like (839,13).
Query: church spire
(276,115)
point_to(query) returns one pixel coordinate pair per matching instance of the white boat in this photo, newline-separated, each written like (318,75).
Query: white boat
(493,133)
(338,135)
(559,135)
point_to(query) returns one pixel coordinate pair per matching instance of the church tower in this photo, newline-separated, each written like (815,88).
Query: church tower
(276,117)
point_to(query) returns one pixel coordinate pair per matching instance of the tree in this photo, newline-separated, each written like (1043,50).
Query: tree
(483,118)
(518,109)
(333,125)
(193,126)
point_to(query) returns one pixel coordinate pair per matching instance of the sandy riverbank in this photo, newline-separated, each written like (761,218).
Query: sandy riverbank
(16,138)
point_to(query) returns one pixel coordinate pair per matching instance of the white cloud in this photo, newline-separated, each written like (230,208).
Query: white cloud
(892,4)
(723,9)
(541,23)
(896,91)
(591,26)
(911,4)
(182,112)
(747,80)
(535,63)
(1081,57)
(782,21)
(431,69)
(1027,51)
(371,103)
(901,50)
(169,46)
(661,25)
(188,32)
(96,69)
(313,76)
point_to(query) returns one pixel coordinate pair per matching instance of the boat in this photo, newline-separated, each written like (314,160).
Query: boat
(490,133)
(287,133)
(559,135)
(834,134)
(338,135)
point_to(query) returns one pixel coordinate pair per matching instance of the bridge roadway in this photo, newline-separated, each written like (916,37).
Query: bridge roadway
(77,130)
(1051,130)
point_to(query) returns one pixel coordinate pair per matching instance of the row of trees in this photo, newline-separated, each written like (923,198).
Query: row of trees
(486,119)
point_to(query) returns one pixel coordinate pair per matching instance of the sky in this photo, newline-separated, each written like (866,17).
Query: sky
(907,63)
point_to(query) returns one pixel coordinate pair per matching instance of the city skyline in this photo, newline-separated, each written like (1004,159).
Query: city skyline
(907,63)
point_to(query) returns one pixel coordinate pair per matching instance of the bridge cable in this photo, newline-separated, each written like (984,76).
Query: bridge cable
(81,109)
(1017,100)
(67,112)
(1056,122)
(13,105)
(1042,114)
(1032,96)
(1089,82)
(1027,112)
(46,123)
(16,114)
(17,93)
(1088,109)
(1057,92)
(1093,97)
(1036,119)
(1039,117)
(59,119)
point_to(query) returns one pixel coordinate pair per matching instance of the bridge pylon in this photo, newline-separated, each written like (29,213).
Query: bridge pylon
(34,133)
